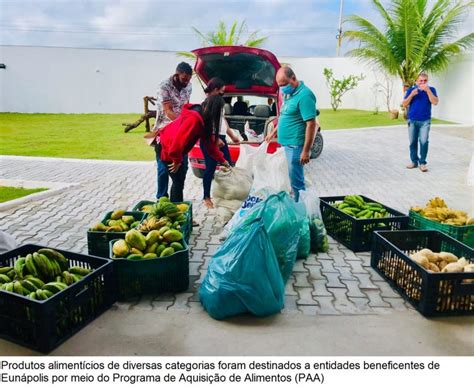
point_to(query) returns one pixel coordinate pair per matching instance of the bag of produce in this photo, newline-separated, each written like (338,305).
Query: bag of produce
(243,276)
(283,224)
(317,231)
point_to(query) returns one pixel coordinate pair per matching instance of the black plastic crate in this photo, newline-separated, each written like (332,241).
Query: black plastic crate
(44,325)
(98,241)
(356,234)
(432,294)
(151,276)
(186,228)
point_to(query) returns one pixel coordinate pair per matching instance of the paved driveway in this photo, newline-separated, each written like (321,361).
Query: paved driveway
(339,284)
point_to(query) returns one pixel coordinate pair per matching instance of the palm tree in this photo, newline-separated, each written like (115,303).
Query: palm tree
(222,37)
(414,38)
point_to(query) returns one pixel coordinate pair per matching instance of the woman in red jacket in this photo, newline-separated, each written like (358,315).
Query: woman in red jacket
(196,121)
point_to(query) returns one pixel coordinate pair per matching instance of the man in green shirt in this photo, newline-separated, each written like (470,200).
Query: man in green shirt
(296,125)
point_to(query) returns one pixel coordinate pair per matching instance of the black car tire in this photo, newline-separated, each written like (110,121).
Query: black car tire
(317,147)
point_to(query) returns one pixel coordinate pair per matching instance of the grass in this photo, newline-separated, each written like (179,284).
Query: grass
(353,118)
(101,136)
(8,193)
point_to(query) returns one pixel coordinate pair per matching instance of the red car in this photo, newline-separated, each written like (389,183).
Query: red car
(249,75)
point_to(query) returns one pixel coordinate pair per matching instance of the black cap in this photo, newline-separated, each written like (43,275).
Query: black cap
(184,67)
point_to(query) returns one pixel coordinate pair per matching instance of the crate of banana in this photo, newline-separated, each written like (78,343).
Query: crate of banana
(352,219)
(436,215)
(179,214)
(155,263)
(114,225)
(430,269)
(47,295)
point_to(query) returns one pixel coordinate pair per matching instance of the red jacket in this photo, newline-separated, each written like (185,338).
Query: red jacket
(178,137)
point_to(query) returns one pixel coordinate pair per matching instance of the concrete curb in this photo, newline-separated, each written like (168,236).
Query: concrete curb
(54,188)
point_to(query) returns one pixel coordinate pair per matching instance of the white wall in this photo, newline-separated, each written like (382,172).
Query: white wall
(67,80)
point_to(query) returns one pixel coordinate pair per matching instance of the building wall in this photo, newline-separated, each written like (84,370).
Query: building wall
(68,80)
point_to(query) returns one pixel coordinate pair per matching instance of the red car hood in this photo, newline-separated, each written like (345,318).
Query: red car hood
(245,70)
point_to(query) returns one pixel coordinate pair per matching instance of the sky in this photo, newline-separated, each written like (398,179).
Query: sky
(302,28)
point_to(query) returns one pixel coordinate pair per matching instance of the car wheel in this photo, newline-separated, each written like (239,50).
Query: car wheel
(317,147)
(199,173)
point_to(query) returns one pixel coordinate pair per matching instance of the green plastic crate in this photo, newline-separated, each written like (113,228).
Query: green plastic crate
(98,241)
(151,276)
(186,228)
(464,234)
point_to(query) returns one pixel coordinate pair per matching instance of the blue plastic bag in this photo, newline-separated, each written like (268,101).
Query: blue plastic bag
(243,276)
(283,223)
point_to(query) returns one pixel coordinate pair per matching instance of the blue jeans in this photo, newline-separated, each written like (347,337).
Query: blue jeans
(211,165)
(163,174)
(295,169)
(418,131)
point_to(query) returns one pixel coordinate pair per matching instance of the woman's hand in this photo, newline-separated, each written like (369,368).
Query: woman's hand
(174,167)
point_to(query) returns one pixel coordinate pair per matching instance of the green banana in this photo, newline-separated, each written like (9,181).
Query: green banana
(55,256)
(68,278)
(41,295)
(41,265)
(18,288)
(28,285)
(76,277)
(32,295)
(9,287)
(48,293)
(54,287)
(5,269)
(30,265)
(19,265)
(11,274)
(79,270)
(4,278)
(35,281)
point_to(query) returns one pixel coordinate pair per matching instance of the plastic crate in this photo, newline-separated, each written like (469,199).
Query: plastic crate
(356,234)
(186,228)
(432,294)
(98,241)
(151,276)
(44,325)
(464,234)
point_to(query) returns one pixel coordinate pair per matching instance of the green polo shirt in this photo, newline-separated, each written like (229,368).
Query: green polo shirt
(296,110)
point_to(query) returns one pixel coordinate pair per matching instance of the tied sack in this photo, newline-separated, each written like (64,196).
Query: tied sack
(243,276)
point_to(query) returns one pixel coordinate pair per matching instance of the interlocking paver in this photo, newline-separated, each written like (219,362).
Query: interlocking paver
(333,280)
(339,278)
(305,296)
(353,289)
(302,280)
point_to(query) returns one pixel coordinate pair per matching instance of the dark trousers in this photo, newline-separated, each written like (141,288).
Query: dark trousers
(163,175)
(211,165)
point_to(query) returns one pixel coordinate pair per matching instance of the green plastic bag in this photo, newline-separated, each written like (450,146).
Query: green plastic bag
(283,223)
(243,276)
(317,231)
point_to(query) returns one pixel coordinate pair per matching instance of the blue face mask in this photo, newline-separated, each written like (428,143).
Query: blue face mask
(287,89)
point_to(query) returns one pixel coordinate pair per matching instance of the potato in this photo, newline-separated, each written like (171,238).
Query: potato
(429,255)
(442,265)
(448,257)
(433,267)
(453,268)
(462,261)
(420,259)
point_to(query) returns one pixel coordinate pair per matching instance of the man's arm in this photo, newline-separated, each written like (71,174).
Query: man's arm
(308,141)
(406,102)
(433,98)
(168,109)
